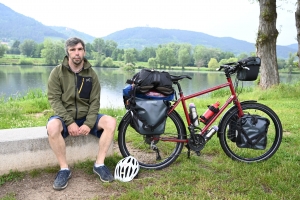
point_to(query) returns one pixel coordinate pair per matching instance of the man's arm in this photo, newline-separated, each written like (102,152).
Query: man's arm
(54,97)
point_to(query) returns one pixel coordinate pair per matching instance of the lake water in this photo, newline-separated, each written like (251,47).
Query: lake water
(17,80)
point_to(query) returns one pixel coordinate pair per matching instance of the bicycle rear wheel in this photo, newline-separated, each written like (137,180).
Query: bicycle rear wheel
(150,150)
(227,134)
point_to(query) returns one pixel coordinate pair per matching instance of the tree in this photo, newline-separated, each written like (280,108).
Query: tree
(27,47)
(184,57)
(171,56)
(110,46)
(161,56)
(3,49)
(281,63)
(15,48)
(88,50)
(53,51)
(99,45)
(130,56)
(108,62)
(229,60)
(118,54)
(266,44)
(146,53)
(202,55)
(213,63)
(37,50)
(152,63)
(297,18)
(290,62)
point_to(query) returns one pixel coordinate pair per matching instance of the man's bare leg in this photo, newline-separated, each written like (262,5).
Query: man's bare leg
(108,124)
(57,142)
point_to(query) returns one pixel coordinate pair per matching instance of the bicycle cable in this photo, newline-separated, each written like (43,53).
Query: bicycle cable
(236,87)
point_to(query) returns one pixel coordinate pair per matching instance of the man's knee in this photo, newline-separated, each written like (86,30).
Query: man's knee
(54,127)
(108,122)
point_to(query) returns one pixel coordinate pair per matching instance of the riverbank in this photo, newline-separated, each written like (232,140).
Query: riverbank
(211,176)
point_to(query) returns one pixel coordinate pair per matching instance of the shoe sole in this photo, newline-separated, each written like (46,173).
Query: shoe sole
(105,181)
(61,188)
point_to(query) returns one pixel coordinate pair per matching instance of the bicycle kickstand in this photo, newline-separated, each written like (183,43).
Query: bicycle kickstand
(189,150)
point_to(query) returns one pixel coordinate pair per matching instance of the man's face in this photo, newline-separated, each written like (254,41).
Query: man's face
(76,54)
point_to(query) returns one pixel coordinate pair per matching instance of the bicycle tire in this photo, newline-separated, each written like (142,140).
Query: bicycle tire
(139,146)
(274,135)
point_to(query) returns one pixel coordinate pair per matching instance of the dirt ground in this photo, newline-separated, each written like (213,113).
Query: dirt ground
(80,186)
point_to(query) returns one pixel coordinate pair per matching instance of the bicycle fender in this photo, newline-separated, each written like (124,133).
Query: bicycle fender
(181,121)
(123,119)
(233,108)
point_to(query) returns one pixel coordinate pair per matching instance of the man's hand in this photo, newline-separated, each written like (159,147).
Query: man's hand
(84,130)
(73,129)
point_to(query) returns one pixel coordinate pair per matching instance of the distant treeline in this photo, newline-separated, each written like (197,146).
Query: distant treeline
(104,53)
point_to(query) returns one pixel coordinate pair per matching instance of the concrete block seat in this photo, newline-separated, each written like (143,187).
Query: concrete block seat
(28,148)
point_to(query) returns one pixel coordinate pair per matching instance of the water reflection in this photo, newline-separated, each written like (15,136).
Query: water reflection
(17,80)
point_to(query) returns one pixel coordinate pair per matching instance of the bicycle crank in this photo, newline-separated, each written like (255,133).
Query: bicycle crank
(196,142)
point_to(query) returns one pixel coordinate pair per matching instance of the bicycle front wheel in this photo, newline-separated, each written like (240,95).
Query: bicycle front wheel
(228,132)
(150,150)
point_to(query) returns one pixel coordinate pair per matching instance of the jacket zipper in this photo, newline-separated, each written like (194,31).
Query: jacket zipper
(81,85)
(75,76)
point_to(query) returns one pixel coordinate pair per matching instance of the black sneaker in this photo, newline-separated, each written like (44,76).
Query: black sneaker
(104,174)
(61,180)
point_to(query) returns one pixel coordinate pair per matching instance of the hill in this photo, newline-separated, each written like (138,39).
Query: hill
(15,26)
(140,37)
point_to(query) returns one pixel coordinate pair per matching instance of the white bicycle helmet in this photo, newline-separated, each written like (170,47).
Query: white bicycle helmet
(127,169)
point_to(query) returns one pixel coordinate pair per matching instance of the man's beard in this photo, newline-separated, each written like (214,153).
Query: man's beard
(77,61)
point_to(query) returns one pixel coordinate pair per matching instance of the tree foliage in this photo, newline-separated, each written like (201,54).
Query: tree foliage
(213,63)
(27,47)
(53,51)
(3,49)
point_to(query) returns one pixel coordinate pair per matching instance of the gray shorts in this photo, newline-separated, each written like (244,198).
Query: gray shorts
(79,122)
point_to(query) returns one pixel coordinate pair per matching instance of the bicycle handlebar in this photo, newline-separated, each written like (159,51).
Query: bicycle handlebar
(234,66)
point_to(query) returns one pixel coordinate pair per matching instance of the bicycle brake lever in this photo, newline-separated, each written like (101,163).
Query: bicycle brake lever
(247,68)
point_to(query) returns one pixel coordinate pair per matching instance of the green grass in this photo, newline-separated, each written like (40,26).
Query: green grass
(212,175)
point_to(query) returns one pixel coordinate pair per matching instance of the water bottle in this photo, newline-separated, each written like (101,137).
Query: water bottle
(211,132)
(193,114)
(211,111)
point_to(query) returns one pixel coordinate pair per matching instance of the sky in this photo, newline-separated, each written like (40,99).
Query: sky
(221,18)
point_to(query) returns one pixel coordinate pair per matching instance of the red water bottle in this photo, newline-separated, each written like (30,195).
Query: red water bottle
(211,111)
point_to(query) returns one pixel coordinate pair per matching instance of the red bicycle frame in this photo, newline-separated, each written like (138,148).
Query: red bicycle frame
(183,98)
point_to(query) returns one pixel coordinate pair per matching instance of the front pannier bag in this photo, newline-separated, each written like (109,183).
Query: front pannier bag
(149,116)
(252,132)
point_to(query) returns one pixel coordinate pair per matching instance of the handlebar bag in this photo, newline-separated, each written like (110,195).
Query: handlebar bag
(149,116)
(252,132)
(253,63)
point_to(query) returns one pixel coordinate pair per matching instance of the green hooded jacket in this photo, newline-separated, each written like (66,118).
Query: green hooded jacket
(74,95)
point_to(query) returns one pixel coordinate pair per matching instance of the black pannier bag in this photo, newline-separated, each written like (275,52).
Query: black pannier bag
(252,132)
(253,63)
(149,115)
(232,128)
(150,80)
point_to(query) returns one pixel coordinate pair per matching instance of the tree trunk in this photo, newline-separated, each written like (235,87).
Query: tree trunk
(297,18)
(266,44)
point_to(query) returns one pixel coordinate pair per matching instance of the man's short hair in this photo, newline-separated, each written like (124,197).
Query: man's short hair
(72,42)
